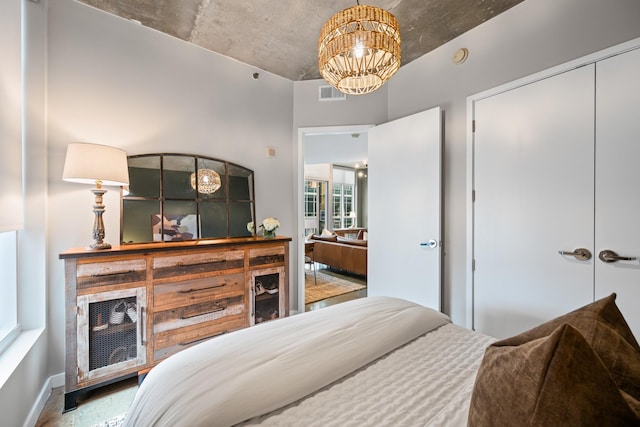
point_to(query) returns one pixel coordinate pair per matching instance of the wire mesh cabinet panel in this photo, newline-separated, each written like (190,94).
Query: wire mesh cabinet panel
(111,333)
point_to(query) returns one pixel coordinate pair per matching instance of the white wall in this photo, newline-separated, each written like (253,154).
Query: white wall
(27,356)
(356,110)
(10,116)
(532,36)
(115,82)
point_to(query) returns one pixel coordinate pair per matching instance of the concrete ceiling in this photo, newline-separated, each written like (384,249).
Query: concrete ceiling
(281,36)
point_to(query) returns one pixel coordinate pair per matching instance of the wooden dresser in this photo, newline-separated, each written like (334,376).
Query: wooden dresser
(129,307)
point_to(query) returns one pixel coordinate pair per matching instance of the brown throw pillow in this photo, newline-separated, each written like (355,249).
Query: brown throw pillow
(556,380)
(607,332)
(603,310)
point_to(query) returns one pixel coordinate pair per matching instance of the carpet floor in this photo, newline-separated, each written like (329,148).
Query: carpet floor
(327,285)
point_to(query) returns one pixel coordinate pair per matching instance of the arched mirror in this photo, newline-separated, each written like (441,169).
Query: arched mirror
(175,197)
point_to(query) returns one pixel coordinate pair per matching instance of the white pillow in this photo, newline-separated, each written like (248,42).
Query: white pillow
(365,236)
(326,233)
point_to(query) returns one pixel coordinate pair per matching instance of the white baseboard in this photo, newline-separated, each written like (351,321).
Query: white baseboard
(57,380)
(51,383)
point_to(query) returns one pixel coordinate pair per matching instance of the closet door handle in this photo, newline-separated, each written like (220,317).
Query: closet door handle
(581,254)
(610,256)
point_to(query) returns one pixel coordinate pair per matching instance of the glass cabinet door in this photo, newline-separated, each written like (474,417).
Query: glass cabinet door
(111,332)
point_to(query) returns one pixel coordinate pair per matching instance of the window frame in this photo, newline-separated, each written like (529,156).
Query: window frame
(9,324)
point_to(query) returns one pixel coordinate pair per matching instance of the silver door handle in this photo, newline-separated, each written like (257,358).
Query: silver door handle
(581,254)
(610,256)
(431,244)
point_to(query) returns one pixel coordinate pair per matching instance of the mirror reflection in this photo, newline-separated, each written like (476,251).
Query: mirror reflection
(175,197)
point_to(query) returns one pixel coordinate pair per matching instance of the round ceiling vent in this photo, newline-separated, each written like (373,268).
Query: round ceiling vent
(460,56)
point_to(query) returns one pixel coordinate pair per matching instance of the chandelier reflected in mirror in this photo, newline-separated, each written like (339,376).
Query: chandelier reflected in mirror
(208,181)
(359,49)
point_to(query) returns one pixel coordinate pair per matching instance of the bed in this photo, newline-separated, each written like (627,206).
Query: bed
(381,361)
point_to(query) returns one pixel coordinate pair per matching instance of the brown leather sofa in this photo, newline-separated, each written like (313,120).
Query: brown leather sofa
(348,255)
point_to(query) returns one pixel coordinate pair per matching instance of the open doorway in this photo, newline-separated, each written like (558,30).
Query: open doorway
(332,190)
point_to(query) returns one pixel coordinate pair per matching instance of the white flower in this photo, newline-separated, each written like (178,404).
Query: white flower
(250,227)
(270,224)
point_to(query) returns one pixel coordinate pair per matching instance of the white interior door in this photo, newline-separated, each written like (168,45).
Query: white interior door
(405,209)
(618,182)
(534,183)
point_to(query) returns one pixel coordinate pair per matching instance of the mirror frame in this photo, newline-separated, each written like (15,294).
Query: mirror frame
(197,199)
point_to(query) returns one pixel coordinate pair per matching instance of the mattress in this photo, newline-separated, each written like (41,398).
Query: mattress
(373,361)
(427,382)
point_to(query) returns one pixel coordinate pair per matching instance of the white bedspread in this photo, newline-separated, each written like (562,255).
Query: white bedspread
(257,370)
(427,382)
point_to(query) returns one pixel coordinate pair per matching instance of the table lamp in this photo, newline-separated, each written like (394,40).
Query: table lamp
(100,165)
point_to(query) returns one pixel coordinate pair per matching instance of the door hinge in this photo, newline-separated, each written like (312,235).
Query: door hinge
(473,265)
(473,196)
(473,125)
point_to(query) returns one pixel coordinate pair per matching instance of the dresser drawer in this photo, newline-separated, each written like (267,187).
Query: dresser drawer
(263,256)
(110,273)
(170,342)
(195,291)
(197,264)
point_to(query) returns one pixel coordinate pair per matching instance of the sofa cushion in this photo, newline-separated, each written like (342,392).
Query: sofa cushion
(350,258)
(333,238)
(352,241)
(555,380)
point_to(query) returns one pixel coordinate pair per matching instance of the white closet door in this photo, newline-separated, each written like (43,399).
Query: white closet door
(405,208)
(534,182)
(618,181)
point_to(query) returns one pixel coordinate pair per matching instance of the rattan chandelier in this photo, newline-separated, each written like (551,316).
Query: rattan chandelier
(359,49)
(208,181)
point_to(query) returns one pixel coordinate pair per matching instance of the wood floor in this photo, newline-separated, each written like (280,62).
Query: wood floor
(110,401)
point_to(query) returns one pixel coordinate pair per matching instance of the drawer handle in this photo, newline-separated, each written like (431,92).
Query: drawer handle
(189,316)
(187,291)
(191,264)
(143,332)
(117,273)
(201,339)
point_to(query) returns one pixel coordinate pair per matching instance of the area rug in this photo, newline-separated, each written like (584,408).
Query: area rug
(327,286)
(111,422)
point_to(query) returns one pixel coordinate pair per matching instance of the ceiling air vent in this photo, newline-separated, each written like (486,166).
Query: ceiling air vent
(330,93)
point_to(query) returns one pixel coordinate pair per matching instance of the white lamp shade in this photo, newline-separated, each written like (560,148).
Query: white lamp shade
(87,163)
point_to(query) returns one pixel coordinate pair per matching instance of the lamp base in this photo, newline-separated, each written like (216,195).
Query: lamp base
(98,224)
(98,246)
